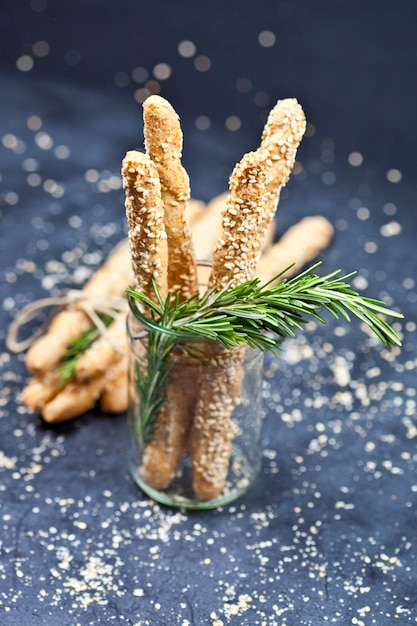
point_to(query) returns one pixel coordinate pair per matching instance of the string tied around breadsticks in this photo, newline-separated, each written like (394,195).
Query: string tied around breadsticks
(92,306)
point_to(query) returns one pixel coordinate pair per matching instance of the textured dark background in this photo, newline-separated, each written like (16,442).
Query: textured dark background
(328,533)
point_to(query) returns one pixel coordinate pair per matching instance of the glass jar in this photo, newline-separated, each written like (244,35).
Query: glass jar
(194,418)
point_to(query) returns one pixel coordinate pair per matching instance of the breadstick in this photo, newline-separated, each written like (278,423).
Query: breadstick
(194,210)
(163,142)
(114,398)
(281,136)
(111,279)
(75,399)
(164,451)
(39,391)
(212,429)
(237,251)
(299,245)
(234,260)
(145,216)
(207,230)
(47,351)
(254,191)
(105,351)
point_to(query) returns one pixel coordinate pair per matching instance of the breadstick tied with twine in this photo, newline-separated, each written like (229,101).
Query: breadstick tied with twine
(107,350)
(77,398)
(111,279)
(39,391)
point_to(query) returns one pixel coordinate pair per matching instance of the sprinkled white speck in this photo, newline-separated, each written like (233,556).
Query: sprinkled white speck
(202,63)
(370,247)
(266,38)
(233,123)
(394,176)
(162,71)
(7,462)
(363,213)
(355,159)
(391,229)
(44,141)
(202,122)
(186,48)
(389,208)
(62,152)
(40,48)
(24,63)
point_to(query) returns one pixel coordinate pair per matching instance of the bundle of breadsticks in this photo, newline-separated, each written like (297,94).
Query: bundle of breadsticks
(197,415)
(168,231)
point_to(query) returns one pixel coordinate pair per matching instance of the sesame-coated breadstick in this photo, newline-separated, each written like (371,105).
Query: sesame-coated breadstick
(281,137)
(207,229)
(105,353)
(254,191)
(163,142)
(145,216)
(234,261)
(169,442)
(237,251)
(45,354)
(212,429)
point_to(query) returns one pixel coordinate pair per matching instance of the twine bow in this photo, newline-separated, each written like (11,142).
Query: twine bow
(92,306)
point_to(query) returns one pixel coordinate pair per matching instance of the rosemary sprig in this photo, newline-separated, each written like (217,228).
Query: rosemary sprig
(68,363)
(150,380)
(261,316)
(250,312)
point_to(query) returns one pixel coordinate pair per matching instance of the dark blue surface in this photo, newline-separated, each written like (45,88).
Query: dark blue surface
(328,533)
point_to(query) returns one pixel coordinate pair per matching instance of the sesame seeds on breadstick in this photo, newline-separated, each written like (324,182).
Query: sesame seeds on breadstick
(237,251)
(281,137)
(145,217)
(163,142)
